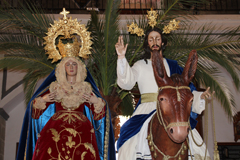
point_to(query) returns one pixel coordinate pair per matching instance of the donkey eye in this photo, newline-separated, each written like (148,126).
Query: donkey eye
(162,99)
(191,101)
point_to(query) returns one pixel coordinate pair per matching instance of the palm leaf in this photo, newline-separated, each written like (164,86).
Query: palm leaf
(97,57)
(29,19)
(30,82)
(111,34)
(126,106)
(21,42)
(102,63)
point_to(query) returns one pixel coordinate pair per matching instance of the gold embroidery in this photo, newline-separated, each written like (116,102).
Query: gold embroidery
(90,147)
(36,113)
(83,155)
(98,115)
(56,137)
(37,151)
(49,150)
(69,147)
(68,116)
(70,143)
(72,131)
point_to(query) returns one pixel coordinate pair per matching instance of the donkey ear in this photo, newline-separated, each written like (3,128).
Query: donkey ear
(190,67)
(159,69)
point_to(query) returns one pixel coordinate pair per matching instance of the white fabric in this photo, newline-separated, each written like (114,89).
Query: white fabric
(142,73)
(198,103)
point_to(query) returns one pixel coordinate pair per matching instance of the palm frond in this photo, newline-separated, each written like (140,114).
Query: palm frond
(21,42)
(23,52)
(103,60)
(126,106)
(98,49)
(30,81)
(111,33)
(30,19)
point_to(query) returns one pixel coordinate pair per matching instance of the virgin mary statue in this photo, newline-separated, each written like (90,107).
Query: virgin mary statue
(67,119)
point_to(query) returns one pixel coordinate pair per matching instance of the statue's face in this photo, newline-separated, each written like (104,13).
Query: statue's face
(71,68)
(155,40)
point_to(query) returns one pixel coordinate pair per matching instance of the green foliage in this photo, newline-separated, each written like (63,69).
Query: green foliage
(21,42)
(126,105)
(102,63)
(103,60)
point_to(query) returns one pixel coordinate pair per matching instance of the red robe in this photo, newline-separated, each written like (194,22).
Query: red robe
(68,135)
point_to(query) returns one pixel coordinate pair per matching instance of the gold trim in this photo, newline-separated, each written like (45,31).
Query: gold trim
(149,97)
(177,89)
(106,138)
(69,116)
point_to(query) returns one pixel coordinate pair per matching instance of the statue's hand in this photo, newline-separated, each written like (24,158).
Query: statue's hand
(91,98)
(120,48)
(50,97)
(207,94)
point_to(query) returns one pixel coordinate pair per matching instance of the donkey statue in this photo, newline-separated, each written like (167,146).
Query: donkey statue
(169,127)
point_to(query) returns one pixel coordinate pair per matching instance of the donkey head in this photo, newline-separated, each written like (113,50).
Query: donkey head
(174,97)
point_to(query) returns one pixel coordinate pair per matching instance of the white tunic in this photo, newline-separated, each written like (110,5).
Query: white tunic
(142,73)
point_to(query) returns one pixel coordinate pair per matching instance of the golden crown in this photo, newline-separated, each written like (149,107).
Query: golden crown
(69,49)
(152,21)
(66,28)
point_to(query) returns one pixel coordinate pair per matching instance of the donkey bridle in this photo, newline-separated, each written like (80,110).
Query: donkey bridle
(160,120)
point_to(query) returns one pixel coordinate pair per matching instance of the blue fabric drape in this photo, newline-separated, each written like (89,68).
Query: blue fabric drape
(31,127)
(26,138)
(134,124)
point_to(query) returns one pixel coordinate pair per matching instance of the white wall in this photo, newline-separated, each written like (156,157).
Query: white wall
(13,130)
(223,125)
